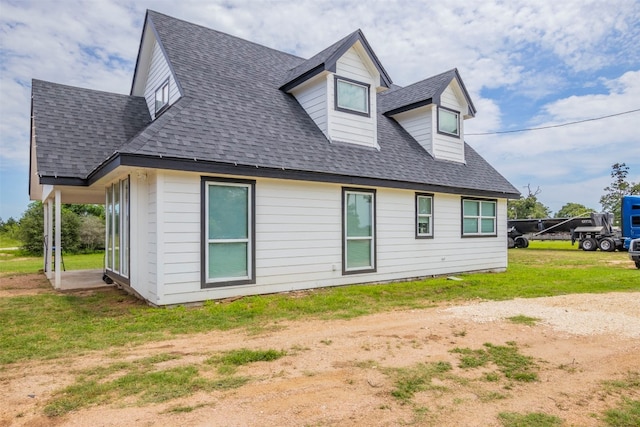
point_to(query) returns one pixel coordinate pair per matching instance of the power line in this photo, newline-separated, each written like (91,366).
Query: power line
(554,126)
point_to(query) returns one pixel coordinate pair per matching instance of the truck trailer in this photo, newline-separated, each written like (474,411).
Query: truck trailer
(601,235)
(593,232)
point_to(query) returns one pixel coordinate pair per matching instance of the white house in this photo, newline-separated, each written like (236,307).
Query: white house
(235,169)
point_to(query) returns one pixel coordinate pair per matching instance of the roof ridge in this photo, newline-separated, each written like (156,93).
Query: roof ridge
(224,34)
(452,70)
(326,60)
(85,88)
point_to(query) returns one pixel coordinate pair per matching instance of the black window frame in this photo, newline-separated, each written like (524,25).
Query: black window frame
(204,223)
(160,90)
(417,216)
(479,234)
(442,132)
(374,225)
(367,87)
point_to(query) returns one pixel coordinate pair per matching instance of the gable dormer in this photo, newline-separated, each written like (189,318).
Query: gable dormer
(433,112)
(154,78)
(338,87)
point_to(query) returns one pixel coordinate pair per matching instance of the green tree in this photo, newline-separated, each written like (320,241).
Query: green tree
(92,229)
(611,201)
(8,226)
(570,210)
(527,207)
(87,210)
(31,230)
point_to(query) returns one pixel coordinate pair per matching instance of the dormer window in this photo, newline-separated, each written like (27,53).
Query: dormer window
(162,97)
(448,122)
(351,96)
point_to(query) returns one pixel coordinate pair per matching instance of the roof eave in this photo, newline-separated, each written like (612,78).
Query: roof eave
(329,64)
(204,166)
(302,78)
(408,107)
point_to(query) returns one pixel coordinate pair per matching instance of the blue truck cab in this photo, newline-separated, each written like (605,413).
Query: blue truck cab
(630,219)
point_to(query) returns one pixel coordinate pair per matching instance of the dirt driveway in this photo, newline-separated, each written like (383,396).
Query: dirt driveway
(346,372)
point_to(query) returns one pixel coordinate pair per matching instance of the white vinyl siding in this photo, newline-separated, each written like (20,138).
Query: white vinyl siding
(444,146)
(418,123)
(159,73)
(142,225)
(298,239)
(345,126)
(313,98)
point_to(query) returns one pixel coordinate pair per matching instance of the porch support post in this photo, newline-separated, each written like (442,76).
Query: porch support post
(58,240)
(48,232)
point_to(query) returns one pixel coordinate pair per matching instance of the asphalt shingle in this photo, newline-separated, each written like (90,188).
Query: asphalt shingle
(77,129)
(233,112)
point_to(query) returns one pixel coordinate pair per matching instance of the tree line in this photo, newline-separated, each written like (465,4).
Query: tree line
(82,231)
(530,207)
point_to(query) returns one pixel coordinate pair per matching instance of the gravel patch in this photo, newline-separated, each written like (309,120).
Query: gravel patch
(616,313)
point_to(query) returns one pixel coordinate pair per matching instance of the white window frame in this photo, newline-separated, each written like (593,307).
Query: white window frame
(429,233)
(162,97)
(346,109)
(345,237)
(479,218)
(207,281)
(447,111)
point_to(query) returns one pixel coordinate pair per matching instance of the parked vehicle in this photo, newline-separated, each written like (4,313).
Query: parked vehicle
(634,251)
(593,232)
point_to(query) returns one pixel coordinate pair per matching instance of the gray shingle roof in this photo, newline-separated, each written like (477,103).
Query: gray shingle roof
(421,93)
(326,60)
(77,129)
(233,113)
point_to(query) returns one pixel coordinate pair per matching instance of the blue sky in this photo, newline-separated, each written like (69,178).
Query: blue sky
(526,64)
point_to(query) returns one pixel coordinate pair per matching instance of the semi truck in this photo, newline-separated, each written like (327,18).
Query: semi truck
(634,251)
(592,232)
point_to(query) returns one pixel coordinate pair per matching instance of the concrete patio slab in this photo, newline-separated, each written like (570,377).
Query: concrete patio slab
(81,279)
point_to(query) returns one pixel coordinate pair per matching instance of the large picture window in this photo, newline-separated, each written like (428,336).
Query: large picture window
(424,215)
(448,122)
(351,96)
(358,223)
(478,217)
(228,218)
(117,228)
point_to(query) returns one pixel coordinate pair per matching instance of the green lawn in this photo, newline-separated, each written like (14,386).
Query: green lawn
(12,262)
(47,326)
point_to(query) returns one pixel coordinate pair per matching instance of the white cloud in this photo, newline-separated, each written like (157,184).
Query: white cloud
(567,161)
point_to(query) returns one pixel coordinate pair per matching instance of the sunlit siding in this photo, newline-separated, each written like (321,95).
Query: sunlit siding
(313,98)
(348,127)
(159,72)
(142,231)
(298,239)
(419,124)
(447,147)
(152,239)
